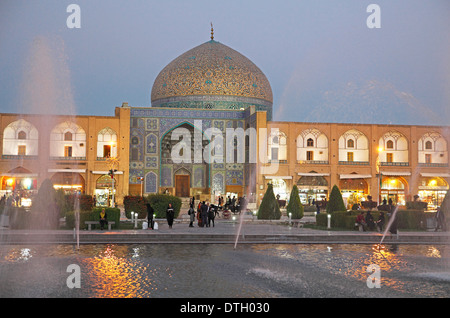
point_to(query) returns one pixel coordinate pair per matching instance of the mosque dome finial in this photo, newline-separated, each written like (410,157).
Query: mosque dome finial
(212,32)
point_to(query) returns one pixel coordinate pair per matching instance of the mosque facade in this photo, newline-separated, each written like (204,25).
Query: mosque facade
(208,133)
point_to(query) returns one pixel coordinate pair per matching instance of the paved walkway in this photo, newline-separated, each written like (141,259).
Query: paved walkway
(224,231)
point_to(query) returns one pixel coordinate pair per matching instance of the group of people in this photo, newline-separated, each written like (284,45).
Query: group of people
(368,222)
(206,213)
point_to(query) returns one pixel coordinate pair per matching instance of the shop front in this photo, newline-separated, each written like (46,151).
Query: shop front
(70,180)
(354,188)
(432,190)
(312,187)
(104,190)
(393,188)
(20,185)
(281,189)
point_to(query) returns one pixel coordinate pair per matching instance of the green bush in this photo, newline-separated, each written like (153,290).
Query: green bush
(309,208)
(160,202)
(84,216)
(269,209)
(295,207)
(321,219)
(113,214)
(416,205)
(412,219)
(406,219)
(135,204)
(335,203)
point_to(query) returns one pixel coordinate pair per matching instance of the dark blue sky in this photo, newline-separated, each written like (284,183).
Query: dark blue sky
(323,62)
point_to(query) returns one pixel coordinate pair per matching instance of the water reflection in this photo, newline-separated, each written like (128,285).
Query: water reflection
(209,270)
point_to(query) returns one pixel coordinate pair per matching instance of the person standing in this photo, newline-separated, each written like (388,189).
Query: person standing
(204,214)
(150,216)
(394,225)
(211,215)
(170,215)
(191,216)
(440,220)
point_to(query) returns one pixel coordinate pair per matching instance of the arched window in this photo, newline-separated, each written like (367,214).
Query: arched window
(350,143)
(310,142)
(428,145)
(68,136)
(389,144)
(22,135)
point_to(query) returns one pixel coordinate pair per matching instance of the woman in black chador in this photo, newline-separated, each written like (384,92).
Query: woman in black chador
(150,216)
(170,215)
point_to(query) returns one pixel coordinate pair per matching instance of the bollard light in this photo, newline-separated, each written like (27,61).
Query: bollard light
(135,220)
(132,216)
(290,217)
(329,221)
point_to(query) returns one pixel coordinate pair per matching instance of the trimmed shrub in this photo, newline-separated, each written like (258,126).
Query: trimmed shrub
(269,209)
(335,203)
(134,204)
(113,214)
(295,207)
(84,216)
(406,219)
(416,205)
(160,202)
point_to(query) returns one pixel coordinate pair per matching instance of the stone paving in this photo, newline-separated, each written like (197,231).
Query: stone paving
(224,231)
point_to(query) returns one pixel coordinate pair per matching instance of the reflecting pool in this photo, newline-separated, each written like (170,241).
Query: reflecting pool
(219,270)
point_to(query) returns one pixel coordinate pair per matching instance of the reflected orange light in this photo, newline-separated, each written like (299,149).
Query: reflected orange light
(113,276)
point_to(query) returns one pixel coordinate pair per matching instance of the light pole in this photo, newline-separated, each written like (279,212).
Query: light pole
(112,161)
(380,179)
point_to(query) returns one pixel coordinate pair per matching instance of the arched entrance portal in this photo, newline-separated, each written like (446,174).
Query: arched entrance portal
(104,190)
(181,173)
(182,183)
